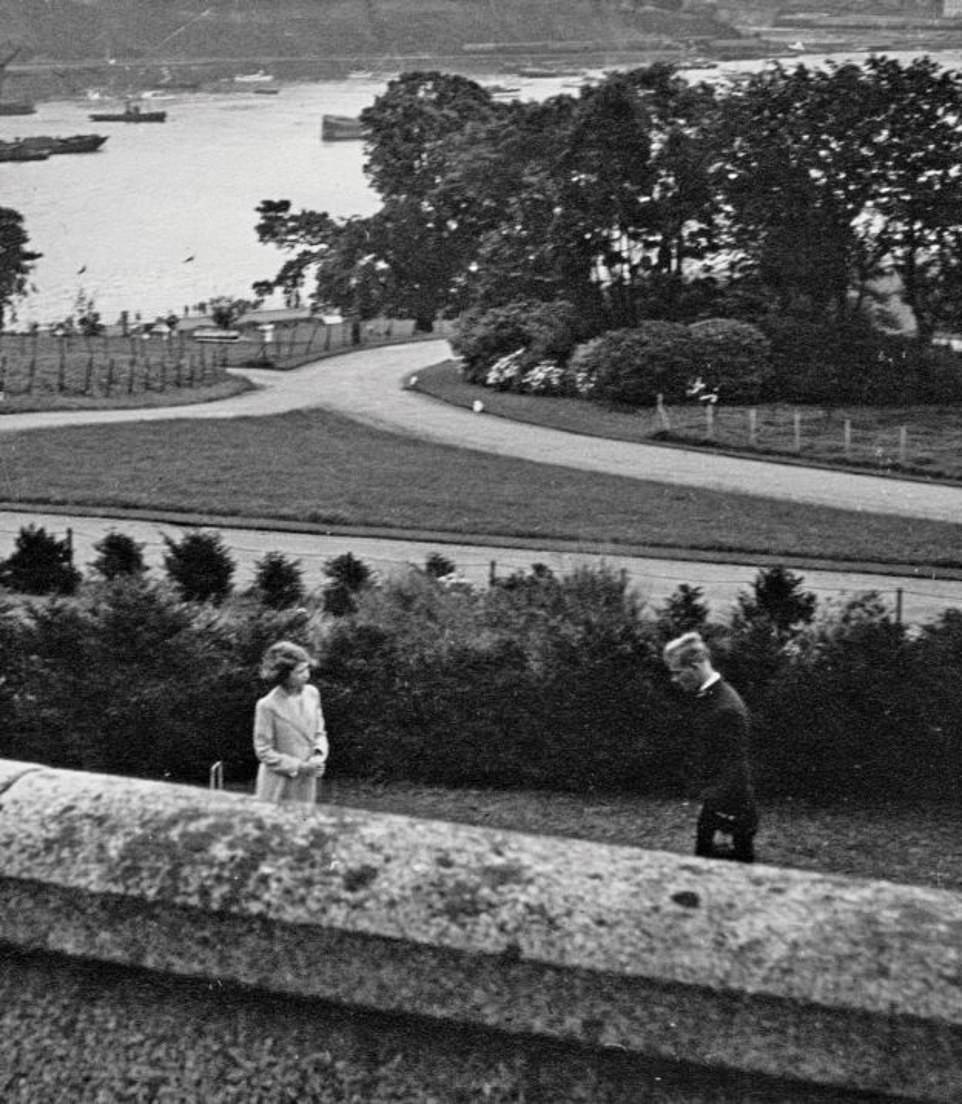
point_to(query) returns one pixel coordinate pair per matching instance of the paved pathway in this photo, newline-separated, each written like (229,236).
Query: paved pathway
(367,385)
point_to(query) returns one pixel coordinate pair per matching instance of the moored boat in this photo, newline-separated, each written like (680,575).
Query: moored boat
(260,77)
(74,143)
(132,113)
(341,128)
(17,107)
(14,151)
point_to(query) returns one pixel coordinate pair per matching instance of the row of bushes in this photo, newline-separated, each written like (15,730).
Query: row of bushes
(537,681)
(199,565)
(540,349)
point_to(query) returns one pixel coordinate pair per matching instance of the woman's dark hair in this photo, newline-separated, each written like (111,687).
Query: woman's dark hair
(281,658)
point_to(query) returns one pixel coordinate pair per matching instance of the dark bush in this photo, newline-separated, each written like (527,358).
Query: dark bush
(200,565)
(543,331)
(278,581)
(438,565)
(347,576)
(854,363)
(635,366)
(40,564)
(734,358)
(117,555)
(130,684)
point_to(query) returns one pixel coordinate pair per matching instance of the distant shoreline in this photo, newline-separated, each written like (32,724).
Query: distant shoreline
(40,81)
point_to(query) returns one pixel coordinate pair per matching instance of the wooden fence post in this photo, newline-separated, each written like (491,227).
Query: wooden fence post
(753,427)
(847,437)
(903,444)
(798,430)
(662,412)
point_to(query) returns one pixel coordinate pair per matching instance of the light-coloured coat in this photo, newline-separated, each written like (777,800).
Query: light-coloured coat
(289,730)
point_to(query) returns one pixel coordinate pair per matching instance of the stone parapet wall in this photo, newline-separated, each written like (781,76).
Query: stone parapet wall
(677,969)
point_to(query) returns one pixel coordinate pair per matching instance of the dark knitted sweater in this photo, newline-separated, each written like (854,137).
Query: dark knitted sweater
(722,730)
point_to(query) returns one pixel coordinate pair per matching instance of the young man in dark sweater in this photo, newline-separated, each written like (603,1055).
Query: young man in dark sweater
(721,730)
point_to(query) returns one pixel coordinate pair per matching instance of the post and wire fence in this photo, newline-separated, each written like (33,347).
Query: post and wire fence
(879,442)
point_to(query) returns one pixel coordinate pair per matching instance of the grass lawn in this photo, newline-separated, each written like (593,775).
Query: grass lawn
(930,447)
(898,844)
(320,467)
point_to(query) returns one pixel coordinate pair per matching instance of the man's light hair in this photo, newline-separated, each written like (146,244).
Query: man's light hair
(687,649)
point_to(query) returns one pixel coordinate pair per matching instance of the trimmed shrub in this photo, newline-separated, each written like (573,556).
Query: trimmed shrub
(734,358)
(347,576)
(537,331)
(634,366)
(200,565)
(278,581)
(40,564)
(118,555)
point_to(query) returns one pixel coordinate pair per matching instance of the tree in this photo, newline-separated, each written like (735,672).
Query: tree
(40,564)
(200,565)
(405,259)
(797,164)
(919,188)
(16,260)
(835,175)
(118,555)
(278,581)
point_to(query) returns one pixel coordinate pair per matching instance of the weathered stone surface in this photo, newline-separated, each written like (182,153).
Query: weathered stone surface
(838,982)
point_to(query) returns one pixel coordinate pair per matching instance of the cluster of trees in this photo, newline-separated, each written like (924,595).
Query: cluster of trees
(199,566)
(539,681)
(789,195)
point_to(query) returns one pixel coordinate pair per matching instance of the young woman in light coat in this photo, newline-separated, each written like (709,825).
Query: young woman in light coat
(289,736)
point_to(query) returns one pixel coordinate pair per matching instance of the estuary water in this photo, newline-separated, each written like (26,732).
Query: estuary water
(163,216)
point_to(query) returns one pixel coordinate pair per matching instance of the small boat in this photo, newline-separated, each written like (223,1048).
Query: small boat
(503,89)
(341,128)
(361,74)
(260,77)
(132,113)
(14,151)
(17,107)
(75,143)
(156,94)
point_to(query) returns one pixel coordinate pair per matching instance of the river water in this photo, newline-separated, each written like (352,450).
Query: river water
(163,216)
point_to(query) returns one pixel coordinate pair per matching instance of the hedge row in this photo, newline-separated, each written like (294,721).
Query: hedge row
(538,681)
(538,349)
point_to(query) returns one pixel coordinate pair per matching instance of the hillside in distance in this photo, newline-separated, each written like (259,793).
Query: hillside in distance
(210,29)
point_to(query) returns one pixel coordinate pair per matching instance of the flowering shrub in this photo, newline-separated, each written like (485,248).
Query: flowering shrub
(544,331)
(507,372)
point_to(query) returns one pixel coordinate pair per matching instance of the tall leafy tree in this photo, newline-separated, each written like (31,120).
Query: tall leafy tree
(918,200)
(796,166)
(406,258)
(16,260)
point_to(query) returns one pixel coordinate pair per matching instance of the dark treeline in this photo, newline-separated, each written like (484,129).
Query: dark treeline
(796,200)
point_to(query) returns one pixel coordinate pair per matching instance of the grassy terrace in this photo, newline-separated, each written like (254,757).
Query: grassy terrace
(320,467)
(929,447)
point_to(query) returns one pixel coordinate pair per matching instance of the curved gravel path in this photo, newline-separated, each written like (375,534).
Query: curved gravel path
(368,385)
